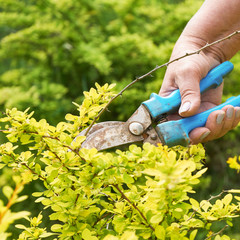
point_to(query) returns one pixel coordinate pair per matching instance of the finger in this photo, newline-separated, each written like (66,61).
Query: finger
(215,123)
(229,120)
(199,134)
(212,129)
(218,124)
(237,117)
(232,119)
(185,77)
(188,83)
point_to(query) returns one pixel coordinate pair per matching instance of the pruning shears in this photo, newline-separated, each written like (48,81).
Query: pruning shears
(149,123)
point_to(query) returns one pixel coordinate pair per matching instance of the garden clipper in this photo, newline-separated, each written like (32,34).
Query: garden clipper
(149,122)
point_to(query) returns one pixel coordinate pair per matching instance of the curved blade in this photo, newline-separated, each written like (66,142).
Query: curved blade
(110,136)
(98,126)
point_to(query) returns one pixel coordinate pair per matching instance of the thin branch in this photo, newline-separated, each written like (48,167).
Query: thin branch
(134,206)
(50,137)
(155,69)
(103,217)
(210,199)
(217,233)
(108,196)
(11,201)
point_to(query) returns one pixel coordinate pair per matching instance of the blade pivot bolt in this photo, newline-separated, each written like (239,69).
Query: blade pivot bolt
(136,128)
(153,136)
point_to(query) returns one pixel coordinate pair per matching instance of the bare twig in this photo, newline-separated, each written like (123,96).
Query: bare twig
(108,196)
(217,233)
(155,69)
(209,200)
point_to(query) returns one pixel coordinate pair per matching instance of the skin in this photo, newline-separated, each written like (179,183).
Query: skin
(214,20)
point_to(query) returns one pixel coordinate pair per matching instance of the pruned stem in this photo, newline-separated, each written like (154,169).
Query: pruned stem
(155,69)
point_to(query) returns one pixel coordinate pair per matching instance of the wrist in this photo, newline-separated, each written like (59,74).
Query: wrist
(190,44)
(222,51)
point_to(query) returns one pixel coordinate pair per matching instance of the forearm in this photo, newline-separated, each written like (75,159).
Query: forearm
(214,20)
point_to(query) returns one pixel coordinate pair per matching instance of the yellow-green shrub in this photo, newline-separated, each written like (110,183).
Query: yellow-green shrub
(141,193)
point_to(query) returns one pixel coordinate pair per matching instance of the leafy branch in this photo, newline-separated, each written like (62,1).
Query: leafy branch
(11,201)
(155,69)
(207,201)
(134,206)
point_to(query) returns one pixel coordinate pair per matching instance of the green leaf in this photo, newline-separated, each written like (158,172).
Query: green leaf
(37,194)
(195,203)
(119,223)
(129,235)
(234,191)
(47,234)
(38,168)
(20,226)
(2,165)
(229,223)
(227,199)
(193,234)
(225,237)
(22,198)
(56,228)
(127,178)
(7,191)
(110,237)
(157,218)
(205,205)
(87,235)
(160,232)
(25,138)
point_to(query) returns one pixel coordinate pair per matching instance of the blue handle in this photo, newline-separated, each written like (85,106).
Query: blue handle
(157,106)
(174,133)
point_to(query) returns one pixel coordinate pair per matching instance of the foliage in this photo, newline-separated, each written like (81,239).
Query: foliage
(141,193)
(51,51)
(234,163)
(11,197)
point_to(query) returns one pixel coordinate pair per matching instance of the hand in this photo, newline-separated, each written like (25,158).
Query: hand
(186,74)
(206,26)
(217,125)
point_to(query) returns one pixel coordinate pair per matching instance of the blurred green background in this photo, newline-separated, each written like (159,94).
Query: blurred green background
(53,50)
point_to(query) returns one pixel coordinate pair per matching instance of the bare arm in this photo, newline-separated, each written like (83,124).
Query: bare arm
(214,20)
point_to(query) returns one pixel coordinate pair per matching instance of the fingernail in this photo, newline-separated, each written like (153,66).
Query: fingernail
(220,118)
(185,107)
(204,135)
(230,112)
(237,114)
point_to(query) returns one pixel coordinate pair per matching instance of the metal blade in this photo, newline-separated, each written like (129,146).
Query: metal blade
(98,126)
(111,136)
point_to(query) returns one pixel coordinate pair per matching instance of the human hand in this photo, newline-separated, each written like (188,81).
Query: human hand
(214,20)
(186,74)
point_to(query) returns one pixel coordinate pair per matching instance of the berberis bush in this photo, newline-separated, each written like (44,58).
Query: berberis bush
(144,192)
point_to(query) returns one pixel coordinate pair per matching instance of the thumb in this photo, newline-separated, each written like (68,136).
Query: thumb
(190,94)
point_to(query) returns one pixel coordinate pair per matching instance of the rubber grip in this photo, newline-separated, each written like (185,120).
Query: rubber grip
(174,133)
(158,106)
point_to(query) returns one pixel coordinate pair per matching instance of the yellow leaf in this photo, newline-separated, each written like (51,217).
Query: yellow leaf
(160,232)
